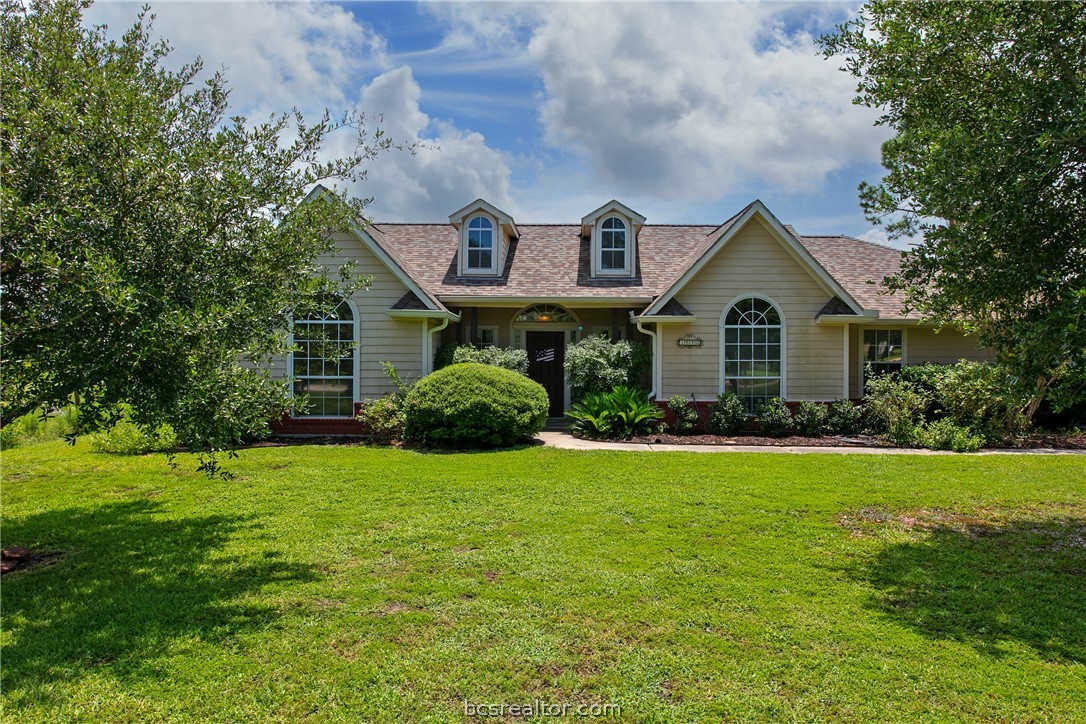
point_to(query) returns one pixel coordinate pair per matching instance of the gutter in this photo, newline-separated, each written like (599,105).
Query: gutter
(655,353)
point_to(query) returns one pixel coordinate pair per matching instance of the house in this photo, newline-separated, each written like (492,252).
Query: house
(749,305)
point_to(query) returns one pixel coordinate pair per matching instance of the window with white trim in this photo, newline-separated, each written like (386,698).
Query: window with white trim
(323,362)
(753,337)
(613,245)
(480,251)
(883,351)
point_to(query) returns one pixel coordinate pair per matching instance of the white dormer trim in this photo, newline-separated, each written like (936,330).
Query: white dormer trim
(592,227)
(505,230)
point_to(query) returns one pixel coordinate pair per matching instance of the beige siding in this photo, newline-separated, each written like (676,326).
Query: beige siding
(855,355)
(754,262)
(381,338)
(943,347)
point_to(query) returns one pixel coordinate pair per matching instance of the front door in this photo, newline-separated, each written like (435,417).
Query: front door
(546,365)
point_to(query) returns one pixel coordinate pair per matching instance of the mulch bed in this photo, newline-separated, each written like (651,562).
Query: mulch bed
(665,438)
(1033,441)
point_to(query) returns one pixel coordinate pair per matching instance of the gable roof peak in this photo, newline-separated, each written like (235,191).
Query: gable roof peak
(610,206)
(480,204)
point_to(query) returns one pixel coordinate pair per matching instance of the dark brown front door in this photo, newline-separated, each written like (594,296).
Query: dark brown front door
(546,359)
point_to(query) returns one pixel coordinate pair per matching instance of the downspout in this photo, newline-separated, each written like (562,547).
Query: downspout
(655,357)
(428,343)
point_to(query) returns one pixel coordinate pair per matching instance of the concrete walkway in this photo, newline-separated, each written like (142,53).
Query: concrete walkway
(564,440)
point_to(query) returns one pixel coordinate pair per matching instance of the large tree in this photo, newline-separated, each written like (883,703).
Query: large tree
(988,164)
(154,249)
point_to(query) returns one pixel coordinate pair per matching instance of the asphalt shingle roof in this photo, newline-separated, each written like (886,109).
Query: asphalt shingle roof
(552,260)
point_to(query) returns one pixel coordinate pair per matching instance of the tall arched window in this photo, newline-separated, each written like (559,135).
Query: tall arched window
(753,336)
(613,244)
(480,243)
(323,362)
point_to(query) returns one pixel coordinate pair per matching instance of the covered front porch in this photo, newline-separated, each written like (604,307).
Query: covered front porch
(544,328)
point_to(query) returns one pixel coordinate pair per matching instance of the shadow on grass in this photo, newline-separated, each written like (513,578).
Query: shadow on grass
(127,584)
(991,585)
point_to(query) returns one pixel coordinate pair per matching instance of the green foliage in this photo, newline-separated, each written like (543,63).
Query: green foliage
(444,355)
(40,426)
(844,418)
(982,397)
(474,405)
(896,407)
(811,419)
(385,418)
(986,100)
(685,412)
(728,415)
(774,417)
(596,365)
(623,412)
(152,240)
(509,358)
(127,438)
(945,434)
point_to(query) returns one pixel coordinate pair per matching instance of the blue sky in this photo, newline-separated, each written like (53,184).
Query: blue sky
(684,111)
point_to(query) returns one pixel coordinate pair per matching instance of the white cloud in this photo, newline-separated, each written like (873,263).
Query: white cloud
(276,55)
(315,56)
(690,101)
(879,236)
(450,169)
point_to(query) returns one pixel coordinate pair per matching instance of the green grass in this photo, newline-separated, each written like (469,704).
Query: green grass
(347,583)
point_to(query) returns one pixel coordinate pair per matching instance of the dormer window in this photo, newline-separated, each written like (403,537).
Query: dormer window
(613,245)
(480,245)
(612,230)
(486,233)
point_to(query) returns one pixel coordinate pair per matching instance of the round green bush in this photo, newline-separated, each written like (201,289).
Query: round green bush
(474,405)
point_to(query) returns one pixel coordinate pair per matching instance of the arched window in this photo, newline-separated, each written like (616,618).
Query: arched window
(613,244)
(323,362)
(753,336)
(546,314)
(480,243)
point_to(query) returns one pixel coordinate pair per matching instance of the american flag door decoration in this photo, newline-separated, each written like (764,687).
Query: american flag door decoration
(544,355)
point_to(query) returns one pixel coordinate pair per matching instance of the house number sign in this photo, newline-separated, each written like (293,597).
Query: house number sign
(688,341)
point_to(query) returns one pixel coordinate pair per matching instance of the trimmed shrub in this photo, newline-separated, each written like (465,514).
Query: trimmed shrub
(728,415)
(474,405)
(508,358)
(844,418)
(811,419)
(945,434)
(774,417)
(127,438)
(596,365)
(685,412)
(622,412)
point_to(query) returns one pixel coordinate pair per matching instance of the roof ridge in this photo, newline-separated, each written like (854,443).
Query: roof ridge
(875,244)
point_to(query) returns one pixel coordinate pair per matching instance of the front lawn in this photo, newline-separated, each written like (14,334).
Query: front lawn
(352,583)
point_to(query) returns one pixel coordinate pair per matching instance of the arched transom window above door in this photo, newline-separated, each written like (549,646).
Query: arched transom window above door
(545,314)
